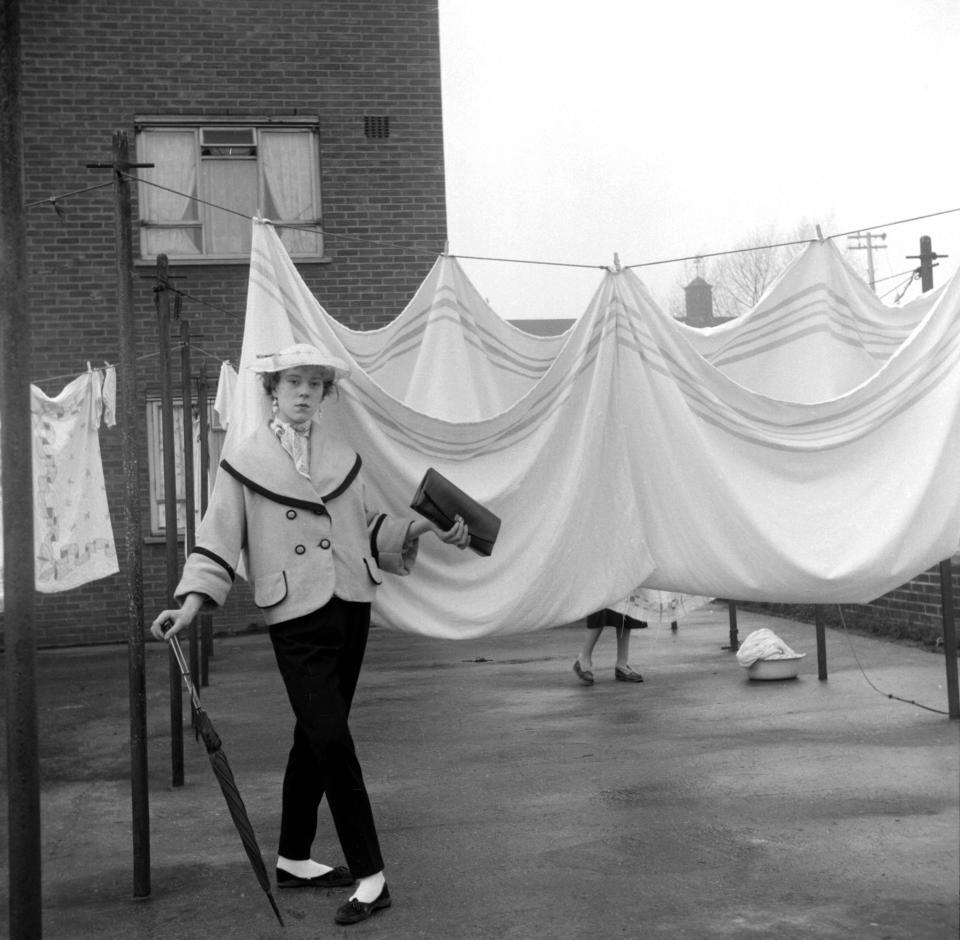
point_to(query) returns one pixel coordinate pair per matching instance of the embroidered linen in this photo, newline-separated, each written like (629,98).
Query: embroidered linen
(73,535)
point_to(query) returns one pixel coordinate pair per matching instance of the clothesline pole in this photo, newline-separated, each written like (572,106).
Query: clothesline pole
(162,303)
(821,631)
(189,523)
(927,256)
(733,630)
(23,764)
(130,422)
(206,621)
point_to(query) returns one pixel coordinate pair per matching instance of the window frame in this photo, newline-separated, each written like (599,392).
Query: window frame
(216,436)
(260,123)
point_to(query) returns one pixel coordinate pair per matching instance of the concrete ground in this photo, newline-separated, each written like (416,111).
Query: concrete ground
(513,802)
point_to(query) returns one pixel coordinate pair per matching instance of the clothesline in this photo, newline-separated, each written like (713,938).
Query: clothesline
(103,368)
(307,226)
(415,249)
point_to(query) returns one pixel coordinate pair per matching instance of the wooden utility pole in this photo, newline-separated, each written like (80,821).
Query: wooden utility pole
(161,294)
(206,621)
(189,503)
(16,434)
(130,420)
(869,247)
(927,257)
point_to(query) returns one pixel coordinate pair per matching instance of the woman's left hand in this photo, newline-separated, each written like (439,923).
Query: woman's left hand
(458,534)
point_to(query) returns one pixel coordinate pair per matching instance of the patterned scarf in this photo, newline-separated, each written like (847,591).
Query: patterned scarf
(295,440)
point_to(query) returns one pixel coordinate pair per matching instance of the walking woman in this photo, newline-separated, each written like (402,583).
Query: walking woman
(291,501)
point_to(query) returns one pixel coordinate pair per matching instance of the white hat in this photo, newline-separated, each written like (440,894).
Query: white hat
(300,354)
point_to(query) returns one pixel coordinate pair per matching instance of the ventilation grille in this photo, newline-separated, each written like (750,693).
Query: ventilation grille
(376,126)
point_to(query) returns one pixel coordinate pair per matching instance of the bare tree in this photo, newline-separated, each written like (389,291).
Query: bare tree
(740,278)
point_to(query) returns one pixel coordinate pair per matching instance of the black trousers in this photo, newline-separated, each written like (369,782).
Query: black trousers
(319,656)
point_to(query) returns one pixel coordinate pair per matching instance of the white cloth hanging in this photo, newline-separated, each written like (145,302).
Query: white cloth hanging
(807,452)
(73,535)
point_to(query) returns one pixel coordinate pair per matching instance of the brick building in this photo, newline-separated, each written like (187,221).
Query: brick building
(306,110)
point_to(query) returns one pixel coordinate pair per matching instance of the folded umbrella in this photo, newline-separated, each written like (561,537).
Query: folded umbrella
(221,768)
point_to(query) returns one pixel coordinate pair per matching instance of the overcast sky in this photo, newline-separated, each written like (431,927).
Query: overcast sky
(574,130)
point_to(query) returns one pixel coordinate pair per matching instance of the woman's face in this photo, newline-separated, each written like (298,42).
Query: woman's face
(299,392)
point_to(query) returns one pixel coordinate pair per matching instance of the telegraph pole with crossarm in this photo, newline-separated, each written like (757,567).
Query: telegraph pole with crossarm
(869,248)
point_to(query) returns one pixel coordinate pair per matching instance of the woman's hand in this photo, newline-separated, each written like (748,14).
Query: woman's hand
(458,534)
(170,622)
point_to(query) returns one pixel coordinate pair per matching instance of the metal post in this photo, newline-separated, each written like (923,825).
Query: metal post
(206,621)
(162,301)
(821,641)
(949,636)
(128,410)
(734,633)
(23,764)
(927,257)
(189,508)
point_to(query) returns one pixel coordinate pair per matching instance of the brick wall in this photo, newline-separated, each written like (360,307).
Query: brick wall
(910,612)
(915,608)
(88,68)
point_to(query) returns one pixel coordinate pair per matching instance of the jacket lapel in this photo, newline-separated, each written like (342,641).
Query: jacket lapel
(265,462)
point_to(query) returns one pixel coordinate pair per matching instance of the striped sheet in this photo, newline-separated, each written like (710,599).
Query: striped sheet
(806,452)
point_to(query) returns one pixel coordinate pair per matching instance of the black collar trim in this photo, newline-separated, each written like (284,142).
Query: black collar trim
(292,500)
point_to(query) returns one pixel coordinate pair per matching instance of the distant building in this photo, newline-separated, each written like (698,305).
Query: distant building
(302,111)
(699,305)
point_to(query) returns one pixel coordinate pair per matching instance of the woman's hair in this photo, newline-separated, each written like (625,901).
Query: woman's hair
(272,379)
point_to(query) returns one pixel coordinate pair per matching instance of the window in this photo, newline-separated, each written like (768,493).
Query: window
(210,177)
(155,461)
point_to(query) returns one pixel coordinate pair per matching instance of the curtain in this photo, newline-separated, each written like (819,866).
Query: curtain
(174,155)
(287,160)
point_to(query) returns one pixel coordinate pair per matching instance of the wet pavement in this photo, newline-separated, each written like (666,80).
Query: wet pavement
(514,802)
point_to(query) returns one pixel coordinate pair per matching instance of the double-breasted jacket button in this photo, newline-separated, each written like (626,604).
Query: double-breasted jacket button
(300,549)
(324,543)
(291,514)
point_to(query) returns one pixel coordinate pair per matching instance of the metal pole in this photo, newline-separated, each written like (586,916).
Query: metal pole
(206,621)
(949,636)
(188,481)
(162,300)
(130,421)
(16,433)
(927,257)
(734,633)
(821,641)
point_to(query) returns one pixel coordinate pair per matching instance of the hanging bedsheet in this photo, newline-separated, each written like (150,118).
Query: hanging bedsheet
(73,536)
(804,453)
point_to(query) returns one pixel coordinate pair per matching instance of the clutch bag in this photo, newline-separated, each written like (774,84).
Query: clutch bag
(441,501)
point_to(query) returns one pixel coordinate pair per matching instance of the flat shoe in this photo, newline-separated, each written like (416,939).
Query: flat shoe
(354,911)
(626,675)
(585,675)
(339,877)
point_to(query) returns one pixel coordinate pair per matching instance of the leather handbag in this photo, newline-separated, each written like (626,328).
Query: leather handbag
(441,501)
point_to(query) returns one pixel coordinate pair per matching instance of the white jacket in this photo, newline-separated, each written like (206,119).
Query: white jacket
(302,540)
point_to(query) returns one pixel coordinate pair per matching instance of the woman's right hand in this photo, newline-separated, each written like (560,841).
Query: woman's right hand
(170,622)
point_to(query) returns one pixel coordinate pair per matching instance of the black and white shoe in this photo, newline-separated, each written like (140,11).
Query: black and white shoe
(354,911)
(338,877)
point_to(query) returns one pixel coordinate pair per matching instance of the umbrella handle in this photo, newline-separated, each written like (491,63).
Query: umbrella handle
(185,671)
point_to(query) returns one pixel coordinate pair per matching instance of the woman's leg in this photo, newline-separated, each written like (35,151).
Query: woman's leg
(319,658)
(586,653)
(623,648)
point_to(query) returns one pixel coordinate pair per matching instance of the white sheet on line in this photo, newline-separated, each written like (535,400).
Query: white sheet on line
(803,453)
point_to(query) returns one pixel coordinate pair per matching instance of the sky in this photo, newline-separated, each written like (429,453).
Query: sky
(653,131)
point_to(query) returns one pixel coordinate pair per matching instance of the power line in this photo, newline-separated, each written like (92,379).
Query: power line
(321,229)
